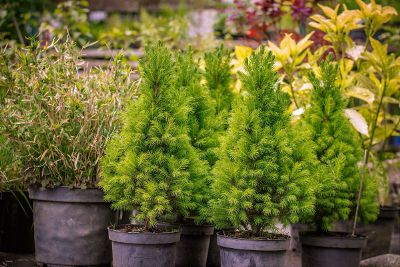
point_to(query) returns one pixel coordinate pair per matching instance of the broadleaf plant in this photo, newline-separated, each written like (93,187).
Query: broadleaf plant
(262,176)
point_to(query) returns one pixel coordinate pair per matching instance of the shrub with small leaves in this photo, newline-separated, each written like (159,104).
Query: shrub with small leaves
(262,176)
(151,165)
(338,149)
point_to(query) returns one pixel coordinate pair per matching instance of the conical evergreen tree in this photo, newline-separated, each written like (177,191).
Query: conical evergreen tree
(217,75)
(150,165)
(337,148)
(262,176)
(201,120)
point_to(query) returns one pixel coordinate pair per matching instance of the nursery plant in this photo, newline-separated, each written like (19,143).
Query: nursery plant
(201,118)
(151,165)
(338,150)
(217,76)
(261,178)
(60,120)
(263,175)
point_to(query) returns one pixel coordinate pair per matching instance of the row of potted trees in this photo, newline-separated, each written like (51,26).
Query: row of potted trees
(184,155)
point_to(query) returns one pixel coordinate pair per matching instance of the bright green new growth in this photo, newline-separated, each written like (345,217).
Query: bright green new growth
(218,78)
(201,121)
(337,148)
(150,165)
(262,176)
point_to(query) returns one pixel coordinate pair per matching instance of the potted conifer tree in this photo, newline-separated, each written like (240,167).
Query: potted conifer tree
(338,151)
(217,77)
(262,177)
(61,120)
(192,249)
(152,167)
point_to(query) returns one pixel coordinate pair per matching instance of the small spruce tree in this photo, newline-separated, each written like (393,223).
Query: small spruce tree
(150,165)
(262,176)
(337,148)
(201,120)
(217,75)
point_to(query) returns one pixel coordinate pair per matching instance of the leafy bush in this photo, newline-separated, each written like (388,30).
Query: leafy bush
(151,165)
(262,176)
(338,150)
(59,118)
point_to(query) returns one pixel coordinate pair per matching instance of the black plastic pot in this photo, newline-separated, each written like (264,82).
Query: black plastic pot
(238,252)
(71,226)
(378,233)
(192,249)
(213,257)
(143,249)
(295,230)
(336,249)
(16,223)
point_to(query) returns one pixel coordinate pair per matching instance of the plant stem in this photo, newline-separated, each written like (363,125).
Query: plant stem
(366,154)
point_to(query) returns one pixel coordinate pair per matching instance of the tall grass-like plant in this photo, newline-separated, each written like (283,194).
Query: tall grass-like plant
(60,118)
(262,177)
(338,150)
(151,165)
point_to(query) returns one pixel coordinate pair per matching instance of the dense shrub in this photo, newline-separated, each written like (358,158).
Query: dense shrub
(338,149)
(151,165)
(59,118)
(262,177)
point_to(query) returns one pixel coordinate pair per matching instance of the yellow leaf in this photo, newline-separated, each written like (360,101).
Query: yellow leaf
(242,52)
(329,12)
(361,93)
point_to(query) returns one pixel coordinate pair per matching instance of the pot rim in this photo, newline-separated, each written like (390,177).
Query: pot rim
(254,245)
(65,194)
(310,238)
(143,238)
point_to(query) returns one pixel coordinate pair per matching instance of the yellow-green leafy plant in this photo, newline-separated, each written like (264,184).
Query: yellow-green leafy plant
(290,57)
(337,27)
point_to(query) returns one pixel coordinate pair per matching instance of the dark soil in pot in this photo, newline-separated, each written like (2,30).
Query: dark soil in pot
(262,252)
(71,226)
(132,247)
(331,249)
(16,223)
(378,233)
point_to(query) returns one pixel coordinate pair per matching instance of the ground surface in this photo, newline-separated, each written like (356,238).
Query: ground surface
(293,258)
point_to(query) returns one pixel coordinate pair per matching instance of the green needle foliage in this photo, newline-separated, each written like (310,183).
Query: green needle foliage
(337,148)
(218,78)
(201,121)
(262,176)
(150,165)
